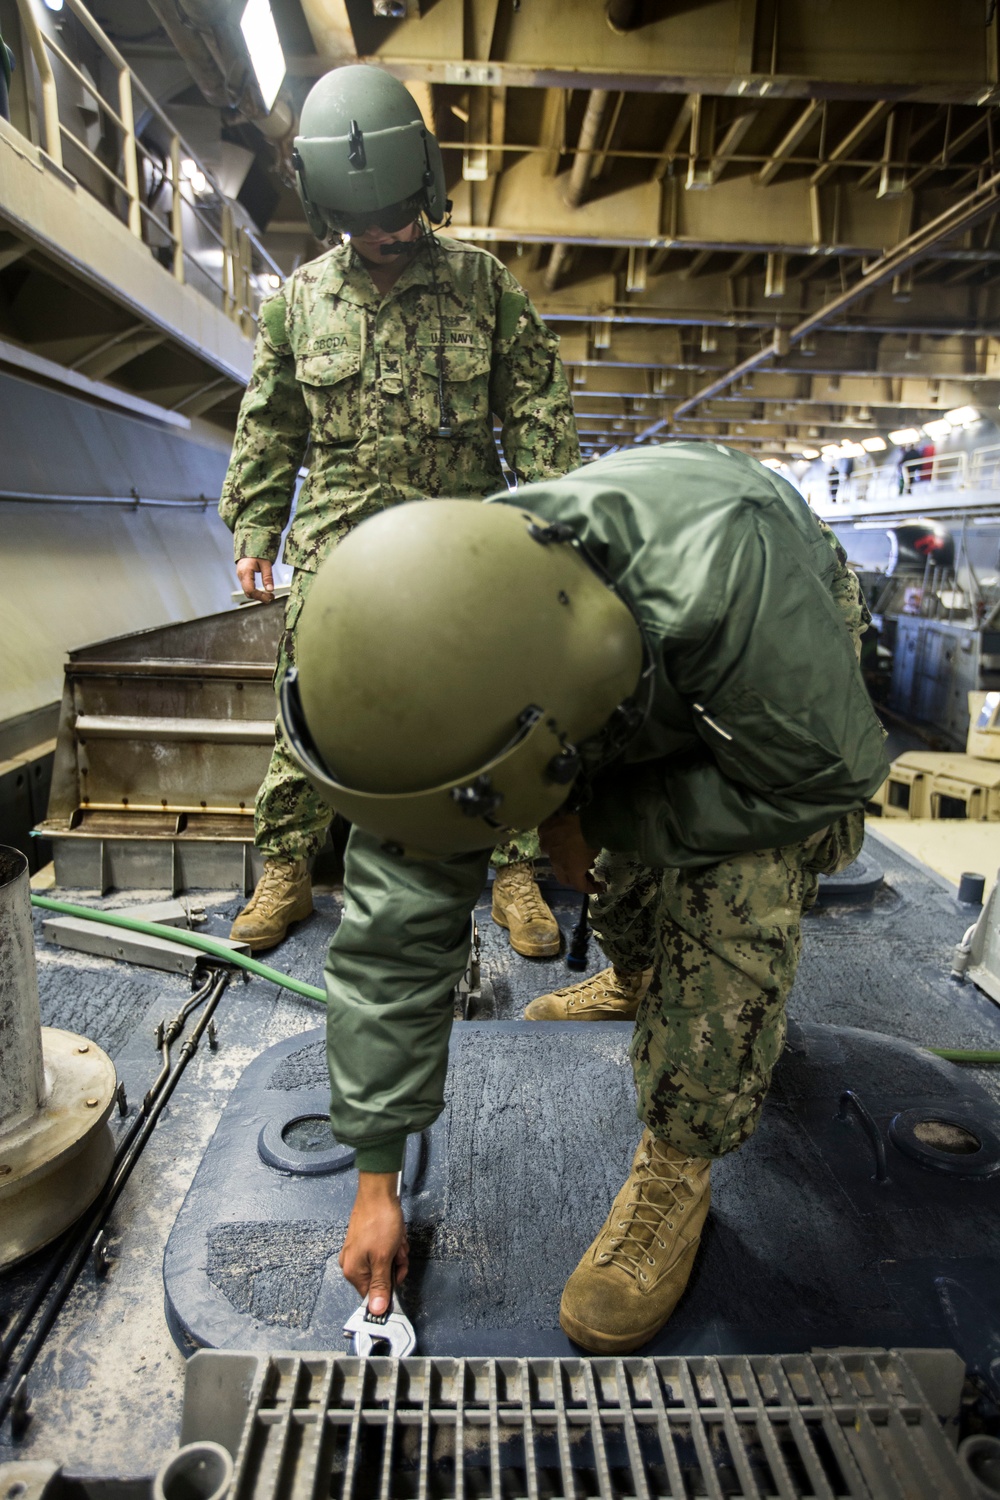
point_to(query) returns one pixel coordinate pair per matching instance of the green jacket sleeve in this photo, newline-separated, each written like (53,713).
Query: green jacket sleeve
(271,438)
(401,947)
(529,391)
(789,739)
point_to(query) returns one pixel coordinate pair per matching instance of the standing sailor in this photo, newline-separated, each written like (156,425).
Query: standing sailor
(387,358)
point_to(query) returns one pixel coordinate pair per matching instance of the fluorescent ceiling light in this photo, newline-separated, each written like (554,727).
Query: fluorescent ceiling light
(261,37)
(55,5)
(962,416)
(939,428)
(903,436)
(873,444)
(195,176)
(851,450)
(832,450)
(810,453)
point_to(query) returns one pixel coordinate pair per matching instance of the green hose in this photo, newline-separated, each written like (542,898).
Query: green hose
(189,939)
(309,991)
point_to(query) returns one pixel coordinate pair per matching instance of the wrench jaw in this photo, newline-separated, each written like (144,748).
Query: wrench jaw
(369,1330)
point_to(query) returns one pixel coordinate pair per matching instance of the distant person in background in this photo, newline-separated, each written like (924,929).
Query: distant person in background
(908,456)
(833,481)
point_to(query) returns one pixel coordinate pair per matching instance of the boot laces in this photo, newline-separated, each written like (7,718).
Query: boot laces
(598,989)
(523,888)
(272,889)
(662,1192)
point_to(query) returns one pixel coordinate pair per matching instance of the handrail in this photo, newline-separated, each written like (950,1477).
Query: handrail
(244,259)
(937,470)
(50,99)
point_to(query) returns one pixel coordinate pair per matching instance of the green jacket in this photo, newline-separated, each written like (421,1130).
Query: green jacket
(354,377)
(761,731)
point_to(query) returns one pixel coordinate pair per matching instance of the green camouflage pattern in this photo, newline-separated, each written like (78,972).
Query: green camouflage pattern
(290,817)
(724,944)
(522,846)
(352,378)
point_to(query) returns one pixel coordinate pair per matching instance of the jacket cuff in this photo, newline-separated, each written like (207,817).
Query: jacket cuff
(256,541)
(383,1156)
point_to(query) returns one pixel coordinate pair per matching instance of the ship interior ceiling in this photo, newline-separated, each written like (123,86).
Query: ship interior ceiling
(771,225)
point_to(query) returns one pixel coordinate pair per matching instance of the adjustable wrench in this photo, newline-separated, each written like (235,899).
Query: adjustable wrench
(369,1329)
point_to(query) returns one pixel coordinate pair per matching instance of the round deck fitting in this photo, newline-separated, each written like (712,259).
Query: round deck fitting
(54,1164)
(946,1143)
(304,1145)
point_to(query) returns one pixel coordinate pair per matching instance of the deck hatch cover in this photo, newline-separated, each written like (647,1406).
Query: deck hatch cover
(855,1424)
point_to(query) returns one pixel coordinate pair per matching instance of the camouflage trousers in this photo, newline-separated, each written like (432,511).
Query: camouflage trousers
(724,944)
(290,817)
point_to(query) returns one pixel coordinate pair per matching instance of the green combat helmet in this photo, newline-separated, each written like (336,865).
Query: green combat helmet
(364,155)
(458,666)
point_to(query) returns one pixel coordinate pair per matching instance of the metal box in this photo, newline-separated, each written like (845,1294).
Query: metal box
(164,738)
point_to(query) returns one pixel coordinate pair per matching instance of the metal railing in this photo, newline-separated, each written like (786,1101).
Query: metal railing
(199,233)
(938,471)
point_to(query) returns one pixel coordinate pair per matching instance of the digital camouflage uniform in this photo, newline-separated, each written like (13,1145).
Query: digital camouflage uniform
(744,783)
(354,378)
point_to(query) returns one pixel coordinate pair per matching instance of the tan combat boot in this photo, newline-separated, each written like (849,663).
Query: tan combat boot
(519,906)
(631,1279)
(283,896)
(611,995)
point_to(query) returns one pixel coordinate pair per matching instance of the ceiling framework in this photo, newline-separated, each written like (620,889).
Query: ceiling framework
(774,221)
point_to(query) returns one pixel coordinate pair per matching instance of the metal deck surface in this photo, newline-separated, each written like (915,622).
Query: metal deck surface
(107,1389)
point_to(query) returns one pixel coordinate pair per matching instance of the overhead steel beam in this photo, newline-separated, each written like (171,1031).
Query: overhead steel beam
(790,142)
(729,145)
(980,204)
(590,130)
(631,78)
(847,145)
(678,130)
(34,367)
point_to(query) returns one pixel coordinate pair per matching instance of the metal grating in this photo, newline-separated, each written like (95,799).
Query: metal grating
(823,1425)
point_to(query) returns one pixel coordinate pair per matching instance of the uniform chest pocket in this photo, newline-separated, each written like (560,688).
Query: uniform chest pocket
(330,387)
(465,383)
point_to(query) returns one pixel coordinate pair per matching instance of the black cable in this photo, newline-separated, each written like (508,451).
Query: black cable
(576,956)
(59,1279)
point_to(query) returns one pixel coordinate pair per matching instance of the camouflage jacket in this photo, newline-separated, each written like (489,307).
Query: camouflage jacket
(370,385)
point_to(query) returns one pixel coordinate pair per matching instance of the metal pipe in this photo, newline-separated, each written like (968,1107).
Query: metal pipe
(22,1075)
(579,177)
(12,1390)
(50,99)
(557,263)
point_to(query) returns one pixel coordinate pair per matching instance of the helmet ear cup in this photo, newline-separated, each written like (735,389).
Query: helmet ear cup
(314,217)
(434,180)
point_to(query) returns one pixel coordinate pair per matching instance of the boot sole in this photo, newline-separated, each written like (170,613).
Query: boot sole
(263,945)
(588,1016)
(606,1343)
(625,1343)
(529,950)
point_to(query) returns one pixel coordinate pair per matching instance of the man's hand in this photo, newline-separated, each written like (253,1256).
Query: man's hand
(376,1240)
(570,856)
(246,571)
